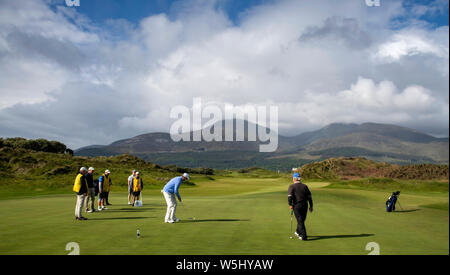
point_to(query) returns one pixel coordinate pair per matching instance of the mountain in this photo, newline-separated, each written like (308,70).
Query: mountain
(380,142)
(342,129)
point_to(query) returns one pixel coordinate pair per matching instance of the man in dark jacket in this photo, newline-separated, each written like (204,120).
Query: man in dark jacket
(298,198)
(90,199)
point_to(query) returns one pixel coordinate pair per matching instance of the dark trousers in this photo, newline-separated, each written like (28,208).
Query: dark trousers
(300,212)
(106,198)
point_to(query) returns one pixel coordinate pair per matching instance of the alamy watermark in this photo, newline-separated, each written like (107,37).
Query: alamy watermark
(373,3)
(73,247)
(373,247)
(73,3)
(191,123)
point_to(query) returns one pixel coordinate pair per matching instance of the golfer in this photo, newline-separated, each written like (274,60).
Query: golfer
(80,187)
(90,200)
(130,186)
(298,198)
(169,191)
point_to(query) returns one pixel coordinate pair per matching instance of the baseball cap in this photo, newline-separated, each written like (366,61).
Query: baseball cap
(186,175)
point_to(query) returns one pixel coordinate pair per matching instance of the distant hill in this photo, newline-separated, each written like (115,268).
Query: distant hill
(380,142)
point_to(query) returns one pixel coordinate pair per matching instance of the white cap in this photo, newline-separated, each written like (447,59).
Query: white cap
(137,173)
(83,169)
(107,172)
(186,175)
(91,169)
(294,169)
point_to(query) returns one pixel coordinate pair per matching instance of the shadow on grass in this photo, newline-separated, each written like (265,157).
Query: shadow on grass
(405,211)
(213,220)
(140,209)
(315,238)
(118,218)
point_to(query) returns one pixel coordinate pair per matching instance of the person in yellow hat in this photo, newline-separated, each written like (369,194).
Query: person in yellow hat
(138,185)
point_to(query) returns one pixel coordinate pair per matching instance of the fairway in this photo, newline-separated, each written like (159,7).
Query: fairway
(232,216)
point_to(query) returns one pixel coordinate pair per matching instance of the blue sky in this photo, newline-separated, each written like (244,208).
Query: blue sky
(134,10)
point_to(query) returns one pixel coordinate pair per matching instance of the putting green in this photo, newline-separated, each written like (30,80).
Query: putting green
(233,216)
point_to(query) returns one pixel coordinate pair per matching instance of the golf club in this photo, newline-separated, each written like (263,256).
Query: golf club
(290,232)
(398,201)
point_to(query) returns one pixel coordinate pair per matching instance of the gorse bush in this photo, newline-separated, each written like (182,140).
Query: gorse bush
(354,168)
(40,145)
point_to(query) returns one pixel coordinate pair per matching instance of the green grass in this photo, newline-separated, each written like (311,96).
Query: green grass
(391,185)
(235,214)
(440,206)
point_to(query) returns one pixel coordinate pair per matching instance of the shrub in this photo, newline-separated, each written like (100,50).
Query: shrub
(40,145)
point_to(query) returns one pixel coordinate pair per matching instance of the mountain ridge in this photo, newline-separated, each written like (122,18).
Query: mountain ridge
(381,142)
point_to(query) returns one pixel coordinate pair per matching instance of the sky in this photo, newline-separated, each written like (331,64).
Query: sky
(108,70)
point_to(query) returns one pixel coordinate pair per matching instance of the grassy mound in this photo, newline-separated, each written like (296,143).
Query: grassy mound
(30,172)
(357,168)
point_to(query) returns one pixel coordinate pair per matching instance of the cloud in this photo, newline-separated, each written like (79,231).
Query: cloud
(366,99)
(67,78)
(410,44)
(345,30)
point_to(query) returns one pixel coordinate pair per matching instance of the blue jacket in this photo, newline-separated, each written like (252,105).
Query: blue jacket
(173,185)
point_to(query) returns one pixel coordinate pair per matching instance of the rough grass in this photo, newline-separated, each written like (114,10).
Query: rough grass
(353,168)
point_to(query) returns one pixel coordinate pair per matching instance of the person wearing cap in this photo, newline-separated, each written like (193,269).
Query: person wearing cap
(298,198)
(80,188)
(169,191)
(130,186)
(295,171)
(138,185)
(90,199)
(295,176)
(103,189)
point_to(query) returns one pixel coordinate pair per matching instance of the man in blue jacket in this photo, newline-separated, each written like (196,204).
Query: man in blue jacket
(169,191)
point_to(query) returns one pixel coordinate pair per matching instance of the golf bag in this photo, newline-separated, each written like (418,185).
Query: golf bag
(391,201)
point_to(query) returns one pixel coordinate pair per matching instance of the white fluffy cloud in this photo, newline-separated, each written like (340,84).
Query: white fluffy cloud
(319,61)
(409,43)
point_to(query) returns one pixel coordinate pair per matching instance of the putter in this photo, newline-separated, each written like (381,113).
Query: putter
(191,218)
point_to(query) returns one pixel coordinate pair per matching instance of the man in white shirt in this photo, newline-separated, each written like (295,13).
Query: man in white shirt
(130,186)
